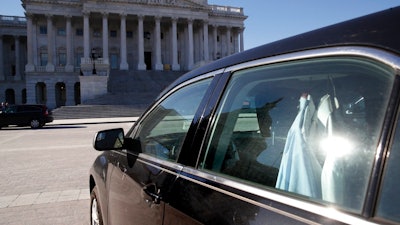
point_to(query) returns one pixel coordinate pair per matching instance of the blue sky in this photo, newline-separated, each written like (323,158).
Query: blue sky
(271,20)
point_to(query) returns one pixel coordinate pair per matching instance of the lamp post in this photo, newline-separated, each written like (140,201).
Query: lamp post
(94,57)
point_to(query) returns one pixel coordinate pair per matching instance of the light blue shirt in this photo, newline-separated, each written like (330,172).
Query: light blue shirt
(300,171)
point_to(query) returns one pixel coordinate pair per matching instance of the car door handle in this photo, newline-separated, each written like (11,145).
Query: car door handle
(151,194)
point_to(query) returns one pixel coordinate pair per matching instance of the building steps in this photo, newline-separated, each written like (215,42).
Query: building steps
(140,81)
(96,111)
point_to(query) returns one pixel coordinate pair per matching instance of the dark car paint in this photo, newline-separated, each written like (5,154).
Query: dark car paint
(178,192)
(25,114)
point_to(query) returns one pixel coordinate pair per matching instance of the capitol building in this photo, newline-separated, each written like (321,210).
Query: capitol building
(65,51)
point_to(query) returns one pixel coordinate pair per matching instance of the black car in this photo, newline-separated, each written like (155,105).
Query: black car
(300,131)
(35,116)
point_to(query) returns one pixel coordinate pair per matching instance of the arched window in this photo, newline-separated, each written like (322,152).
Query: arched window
(61,94)
(41,93)
(77,93)
(23,93)
(10,96)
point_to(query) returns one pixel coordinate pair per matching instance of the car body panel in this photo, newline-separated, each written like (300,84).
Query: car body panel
(134,188)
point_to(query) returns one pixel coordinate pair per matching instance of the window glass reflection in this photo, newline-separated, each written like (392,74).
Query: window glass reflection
(309,128)
(163,131)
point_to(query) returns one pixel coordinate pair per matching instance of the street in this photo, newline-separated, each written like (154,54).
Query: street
(44,173)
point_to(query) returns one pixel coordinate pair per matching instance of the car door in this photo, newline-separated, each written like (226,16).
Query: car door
(290,143)
(25,114)
(140,184)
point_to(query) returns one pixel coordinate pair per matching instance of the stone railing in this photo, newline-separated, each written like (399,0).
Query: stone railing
(90,67)
(96,61)
(40,68)
(59,69)
(12,20)
(226,10)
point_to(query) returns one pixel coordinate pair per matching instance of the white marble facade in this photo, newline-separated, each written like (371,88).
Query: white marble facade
(66,39)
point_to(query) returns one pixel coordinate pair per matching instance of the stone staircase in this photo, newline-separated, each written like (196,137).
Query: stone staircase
(129,94)
(96,111)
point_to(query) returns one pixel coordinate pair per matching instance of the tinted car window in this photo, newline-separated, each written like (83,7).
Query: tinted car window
(389,203)
(308,128)
(28,108)
(162,132)
(11,109)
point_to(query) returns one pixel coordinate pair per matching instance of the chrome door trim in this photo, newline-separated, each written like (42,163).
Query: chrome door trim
(160,164)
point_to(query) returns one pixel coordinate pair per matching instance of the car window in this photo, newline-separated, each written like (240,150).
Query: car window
(28,109)
(11,109)
(309,128)
(162,132)
(389,201)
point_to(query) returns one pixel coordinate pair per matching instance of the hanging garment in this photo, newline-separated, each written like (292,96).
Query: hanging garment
(332,180)
(300,171)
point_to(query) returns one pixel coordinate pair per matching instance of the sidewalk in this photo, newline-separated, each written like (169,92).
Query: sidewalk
(93,121)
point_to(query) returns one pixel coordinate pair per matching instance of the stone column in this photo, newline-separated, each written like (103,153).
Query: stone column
(241,39)
(124,64)
(215,39)
(141,64)
(235,43)
(190,43)
(70,65)
(105,37)
(205,38)
(86,46)
(2,77)
(17,58)
(50,45)
(175,65)
(34,39)
(228,42)
(29,67)
(158,63)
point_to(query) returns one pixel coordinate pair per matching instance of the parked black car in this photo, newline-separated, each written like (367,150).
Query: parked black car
(35,116)
(300,131)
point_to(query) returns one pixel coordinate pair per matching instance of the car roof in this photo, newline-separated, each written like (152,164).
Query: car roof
(378,30)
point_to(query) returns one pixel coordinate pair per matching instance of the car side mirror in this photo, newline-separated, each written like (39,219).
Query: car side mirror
(112,139)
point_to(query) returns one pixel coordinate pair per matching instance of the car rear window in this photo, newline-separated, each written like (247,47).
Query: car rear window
(308,128)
